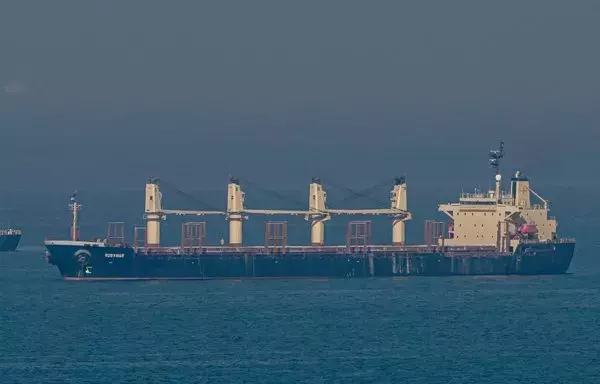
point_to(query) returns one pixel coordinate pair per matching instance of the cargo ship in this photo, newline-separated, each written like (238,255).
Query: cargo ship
(9,239)
(496,232)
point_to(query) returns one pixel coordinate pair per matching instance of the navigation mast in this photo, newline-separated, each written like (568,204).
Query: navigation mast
(494,160)
(75,207)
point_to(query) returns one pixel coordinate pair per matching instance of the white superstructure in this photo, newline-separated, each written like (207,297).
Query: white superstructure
(498,218)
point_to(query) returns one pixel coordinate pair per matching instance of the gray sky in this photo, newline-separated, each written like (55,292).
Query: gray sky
(341,89)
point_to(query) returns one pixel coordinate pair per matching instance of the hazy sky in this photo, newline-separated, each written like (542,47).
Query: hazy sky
(105,93)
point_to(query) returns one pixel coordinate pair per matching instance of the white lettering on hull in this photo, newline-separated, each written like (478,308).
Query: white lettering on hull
(114,255)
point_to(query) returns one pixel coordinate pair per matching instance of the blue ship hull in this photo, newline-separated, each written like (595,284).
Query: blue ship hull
(98,261)
(9,243)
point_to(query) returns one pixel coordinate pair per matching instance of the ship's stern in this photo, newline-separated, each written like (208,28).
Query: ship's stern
(9,240)
(545,257)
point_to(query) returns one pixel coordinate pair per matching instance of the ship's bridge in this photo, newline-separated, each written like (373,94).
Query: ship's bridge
(475,217)
(480,218)
(495,217)
(481,198)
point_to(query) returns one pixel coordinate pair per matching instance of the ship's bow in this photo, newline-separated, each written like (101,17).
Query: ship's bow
(89,260)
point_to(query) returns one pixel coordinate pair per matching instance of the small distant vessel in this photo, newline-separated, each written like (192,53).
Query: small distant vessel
(489,233)
(9,239)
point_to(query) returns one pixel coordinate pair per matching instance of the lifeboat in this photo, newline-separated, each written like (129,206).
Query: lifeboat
(528,229)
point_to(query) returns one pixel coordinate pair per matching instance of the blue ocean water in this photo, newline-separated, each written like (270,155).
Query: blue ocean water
(409,330)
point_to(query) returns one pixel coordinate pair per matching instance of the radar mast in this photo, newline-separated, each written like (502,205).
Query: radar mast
(494,160)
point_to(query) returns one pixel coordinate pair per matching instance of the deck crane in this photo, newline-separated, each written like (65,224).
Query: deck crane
(317,213)
(154,212)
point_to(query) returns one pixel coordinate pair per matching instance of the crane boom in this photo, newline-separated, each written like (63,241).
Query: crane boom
(368,212)
(180,212)
(275,212)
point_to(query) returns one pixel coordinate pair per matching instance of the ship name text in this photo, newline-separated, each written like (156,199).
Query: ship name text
(114,255)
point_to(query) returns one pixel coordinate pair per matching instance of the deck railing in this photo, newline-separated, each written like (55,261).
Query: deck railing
(341,249)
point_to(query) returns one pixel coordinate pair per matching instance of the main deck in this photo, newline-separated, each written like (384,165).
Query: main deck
(335,249)
(299,249)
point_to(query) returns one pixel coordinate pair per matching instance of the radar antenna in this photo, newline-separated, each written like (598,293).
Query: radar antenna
(495,156)
(494,160)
